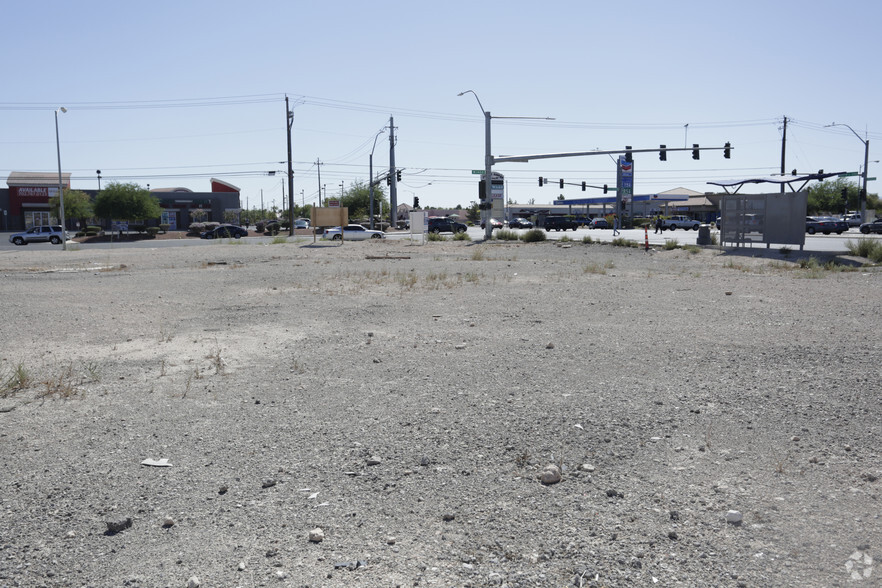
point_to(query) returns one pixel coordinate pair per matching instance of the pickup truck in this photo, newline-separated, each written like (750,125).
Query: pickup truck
(559,223)
(680,222)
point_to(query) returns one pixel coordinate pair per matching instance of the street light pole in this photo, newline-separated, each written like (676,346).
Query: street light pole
(290,115)
(862,198)
(488,164)
(488,158)
(60,183)
(371,176)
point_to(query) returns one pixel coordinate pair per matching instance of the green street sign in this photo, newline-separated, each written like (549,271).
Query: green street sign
(871,179)
(477,171)
(848,174)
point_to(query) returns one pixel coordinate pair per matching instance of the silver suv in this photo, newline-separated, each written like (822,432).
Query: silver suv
(51,233)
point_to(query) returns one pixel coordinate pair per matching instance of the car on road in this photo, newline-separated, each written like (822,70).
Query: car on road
(599,223)
(520,223)
(559,223)
(873,227)
(680,222)
(445,225)
(494,223)
(225,232)
(40,234)
(826,225)
(353,233)
(301,223)
(853,220)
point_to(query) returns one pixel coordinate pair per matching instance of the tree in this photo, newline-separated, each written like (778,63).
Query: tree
(126,202)
(358,199)
(77,204)
(473,213)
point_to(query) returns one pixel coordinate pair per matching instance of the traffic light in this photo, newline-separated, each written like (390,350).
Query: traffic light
(482,194)
(561,183)
(398,175)
(845,194)
(695,151)
(389,180)
(662,153)
(628,157)
(583,186)
(605,189)
(540,181)
(416,202)
(727,150)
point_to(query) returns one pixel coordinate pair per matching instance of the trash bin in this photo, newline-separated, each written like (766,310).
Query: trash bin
(703,235)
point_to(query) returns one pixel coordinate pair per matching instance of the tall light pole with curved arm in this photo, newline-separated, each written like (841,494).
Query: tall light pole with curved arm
(60,183)
(371,176)
(488,160)
(862,199)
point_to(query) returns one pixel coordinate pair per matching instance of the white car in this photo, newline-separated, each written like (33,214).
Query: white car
(301,223)
(353,233)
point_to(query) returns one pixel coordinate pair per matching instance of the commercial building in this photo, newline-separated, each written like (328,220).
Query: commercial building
(25,203)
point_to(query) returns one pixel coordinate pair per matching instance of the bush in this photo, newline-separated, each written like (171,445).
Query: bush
(137,228)
(869,248)
(461,236)
(152,231)
(259,226)
(436,237)
(164,227)
(93,229)
(506,235)
(197,228)
(533,235)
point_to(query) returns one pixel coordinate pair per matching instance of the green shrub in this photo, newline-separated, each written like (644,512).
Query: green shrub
(435,237)
(152,231)
(869,248)
(164,227)
(196,228)
(587,240)
(533,235)
(91,233)
(671,244)
(259,227)
(463,236)
(506,235)
(137,228)
(565,238)
(93,228)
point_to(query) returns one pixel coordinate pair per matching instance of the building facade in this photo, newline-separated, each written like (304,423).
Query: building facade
(26,203)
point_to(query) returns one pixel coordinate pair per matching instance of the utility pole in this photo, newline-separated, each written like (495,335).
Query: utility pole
(290,119)
(393,187)
(783,151)
(318,165)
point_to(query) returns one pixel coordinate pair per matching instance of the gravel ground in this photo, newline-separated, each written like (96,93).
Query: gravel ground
(407,400)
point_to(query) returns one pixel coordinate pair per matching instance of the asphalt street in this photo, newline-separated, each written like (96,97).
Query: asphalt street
(819,243)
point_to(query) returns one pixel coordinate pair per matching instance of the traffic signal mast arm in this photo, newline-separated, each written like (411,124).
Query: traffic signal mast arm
(526,158)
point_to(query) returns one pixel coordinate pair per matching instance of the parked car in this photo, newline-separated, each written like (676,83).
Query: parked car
(815,224)
(301,223)
(225,232)
(559,223)
(599,223)
(494,223)
(520,223)
(445,225)
(873,227)
(40,234)
(353,233)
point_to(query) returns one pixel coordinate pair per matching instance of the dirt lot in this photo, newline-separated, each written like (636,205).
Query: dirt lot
(405,399)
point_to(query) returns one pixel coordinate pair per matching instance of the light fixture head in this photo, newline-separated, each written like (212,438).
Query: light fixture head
(63,109)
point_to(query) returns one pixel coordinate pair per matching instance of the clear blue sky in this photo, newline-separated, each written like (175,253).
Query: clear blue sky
(173,93)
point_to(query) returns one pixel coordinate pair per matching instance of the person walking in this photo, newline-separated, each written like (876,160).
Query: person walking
(658,224)
(616,225)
